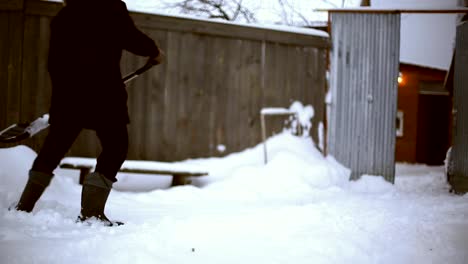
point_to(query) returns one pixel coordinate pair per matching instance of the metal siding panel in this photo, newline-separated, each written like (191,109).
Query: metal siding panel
(460,140)
(359,126)
(346,104)
(332,131)
(364,70)
(368,101)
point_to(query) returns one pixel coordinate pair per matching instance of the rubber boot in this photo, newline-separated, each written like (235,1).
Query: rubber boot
(96,189)
(37,183)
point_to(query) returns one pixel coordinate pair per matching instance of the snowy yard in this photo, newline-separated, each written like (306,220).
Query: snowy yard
(299,208)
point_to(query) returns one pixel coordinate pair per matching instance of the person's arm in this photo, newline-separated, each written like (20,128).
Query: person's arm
(133,39)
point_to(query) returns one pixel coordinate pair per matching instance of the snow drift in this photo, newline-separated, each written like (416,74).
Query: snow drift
(297,208)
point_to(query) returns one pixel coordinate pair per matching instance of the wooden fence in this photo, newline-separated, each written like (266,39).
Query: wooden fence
(209,92)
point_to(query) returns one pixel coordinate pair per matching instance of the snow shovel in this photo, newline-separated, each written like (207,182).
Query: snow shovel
(20,131)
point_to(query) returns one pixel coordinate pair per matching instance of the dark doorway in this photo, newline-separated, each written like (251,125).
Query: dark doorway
(433,122)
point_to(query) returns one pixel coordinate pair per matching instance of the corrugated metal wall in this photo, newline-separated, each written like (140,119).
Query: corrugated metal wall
(363,83)
(459,180)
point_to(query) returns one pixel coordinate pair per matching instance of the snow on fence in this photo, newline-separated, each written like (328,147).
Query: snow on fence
(209,92)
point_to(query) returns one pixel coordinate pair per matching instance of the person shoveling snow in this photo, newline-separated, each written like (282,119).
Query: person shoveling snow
(91,39)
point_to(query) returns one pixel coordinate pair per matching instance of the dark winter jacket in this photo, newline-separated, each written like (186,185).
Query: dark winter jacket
(86,43)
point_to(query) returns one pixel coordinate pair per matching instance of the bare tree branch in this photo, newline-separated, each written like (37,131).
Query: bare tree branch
(237,10)
(230,10)
(289,12)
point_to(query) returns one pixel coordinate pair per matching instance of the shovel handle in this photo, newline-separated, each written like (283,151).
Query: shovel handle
(136,73)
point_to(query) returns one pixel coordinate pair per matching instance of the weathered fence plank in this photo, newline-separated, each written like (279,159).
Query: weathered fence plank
(12,5)
(11,54)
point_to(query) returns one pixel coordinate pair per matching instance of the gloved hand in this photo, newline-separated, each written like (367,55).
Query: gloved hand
(152,61)
(158,59)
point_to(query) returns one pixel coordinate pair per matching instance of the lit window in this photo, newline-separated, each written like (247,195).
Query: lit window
(399,124)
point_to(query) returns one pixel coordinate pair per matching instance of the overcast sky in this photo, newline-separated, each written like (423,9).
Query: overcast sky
(426,39)
(266,11)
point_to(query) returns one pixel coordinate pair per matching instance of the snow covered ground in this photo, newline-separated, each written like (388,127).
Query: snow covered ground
(299,208)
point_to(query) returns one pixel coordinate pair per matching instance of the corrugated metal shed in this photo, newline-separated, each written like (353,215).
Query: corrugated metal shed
(459,155)
(363,85)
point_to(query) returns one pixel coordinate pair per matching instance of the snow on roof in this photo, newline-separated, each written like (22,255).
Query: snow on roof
(426,10)
(153,7)
(282,28)
(428,29)
(427,40)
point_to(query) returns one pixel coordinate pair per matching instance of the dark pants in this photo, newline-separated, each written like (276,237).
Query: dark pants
(114,144)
